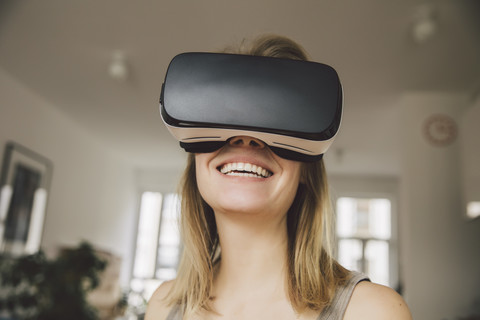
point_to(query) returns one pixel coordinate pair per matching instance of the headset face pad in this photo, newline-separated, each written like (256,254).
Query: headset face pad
(293,106)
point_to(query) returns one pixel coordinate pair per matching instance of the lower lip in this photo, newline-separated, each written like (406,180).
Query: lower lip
(243,177)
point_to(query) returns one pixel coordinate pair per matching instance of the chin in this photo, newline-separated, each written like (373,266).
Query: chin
(242,211)
(242,206)
(244,196)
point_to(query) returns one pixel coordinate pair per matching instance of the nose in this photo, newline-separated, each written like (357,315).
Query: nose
(246,141)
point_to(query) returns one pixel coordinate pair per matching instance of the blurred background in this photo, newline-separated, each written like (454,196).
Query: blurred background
(79,89)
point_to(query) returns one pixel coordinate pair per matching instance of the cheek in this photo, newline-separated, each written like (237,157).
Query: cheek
(290,180)
(297,178)
(293,170)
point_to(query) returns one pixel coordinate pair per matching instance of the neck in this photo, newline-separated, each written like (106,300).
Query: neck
(253,253)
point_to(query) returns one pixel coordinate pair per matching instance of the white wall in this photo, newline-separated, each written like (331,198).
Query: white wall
(92,194)
(470,152)
(163,179)
(441,249)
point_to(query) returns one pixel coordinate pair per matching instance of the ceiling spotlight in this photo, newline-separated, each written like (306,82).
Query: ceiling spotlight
(425,24)
(118,68)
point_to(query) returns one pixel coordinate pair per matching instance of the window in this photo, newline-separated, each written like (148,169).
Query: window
(158,246)
(364,232)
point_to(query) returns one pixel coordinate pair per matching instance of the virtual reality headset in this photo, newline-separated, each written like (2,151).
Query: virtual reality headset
(293,106)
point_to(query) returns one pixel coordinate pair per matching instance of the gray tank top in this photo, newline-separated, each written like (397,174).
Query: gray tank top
(334,311)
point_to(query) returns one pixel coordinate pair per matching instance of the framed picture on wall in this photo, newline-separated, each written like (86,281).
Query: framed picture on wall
(24,184)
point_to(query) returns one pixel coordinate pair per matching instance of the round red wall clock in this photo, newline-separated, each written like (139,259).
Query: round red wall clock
(440,130)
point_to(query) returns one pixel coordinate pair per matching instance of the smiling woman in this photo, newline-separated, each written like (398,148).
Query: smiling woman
(256,220)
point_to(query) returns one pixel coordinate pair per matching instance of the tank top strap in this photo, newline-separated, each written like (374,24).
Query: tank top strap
(336,310)
(175,313)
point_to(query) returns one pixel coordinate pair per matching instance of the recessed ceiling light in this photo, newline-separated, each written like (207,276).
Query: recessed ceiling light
(118,68)
(425,24)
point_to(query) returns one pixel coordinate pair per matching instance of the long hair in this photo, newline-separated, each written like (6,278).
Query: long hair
(312,275)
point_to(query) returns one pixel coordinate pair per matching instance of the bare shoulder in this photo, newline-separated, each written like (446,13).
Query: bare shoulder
(157,306)
(373,301)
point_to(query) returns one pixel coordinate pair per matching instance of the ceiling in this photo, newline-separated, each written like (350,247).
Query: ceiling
(61,50)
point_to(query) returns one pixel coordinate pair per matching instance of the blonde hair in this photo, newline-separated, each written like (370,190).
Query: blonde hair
(312,275)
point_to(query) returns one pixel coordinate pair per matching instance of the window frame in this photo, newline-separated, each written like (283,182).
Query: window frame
(149,283)
(366,187)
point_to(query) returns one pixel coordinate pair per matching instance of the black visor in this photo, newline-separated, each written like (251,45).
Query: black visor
(293,106)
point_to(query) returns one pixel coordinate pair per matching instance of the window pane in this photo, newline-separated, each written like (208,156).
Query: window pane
(364,228)
(363,218)
(166,273)
(169,234)
(148,225)
(169,240)
(379,219)
(350,254)
(346,217)
(376,254)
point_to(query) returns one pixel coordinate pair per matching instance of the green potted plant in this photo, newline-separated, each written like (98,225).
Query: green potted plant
(34,287)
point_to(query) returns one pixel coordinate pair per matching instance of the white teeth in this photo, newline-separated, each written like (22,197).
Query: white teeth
(244,170)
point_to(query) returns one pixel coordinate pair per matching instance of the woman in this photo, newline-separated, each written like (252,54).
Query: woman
(257,246)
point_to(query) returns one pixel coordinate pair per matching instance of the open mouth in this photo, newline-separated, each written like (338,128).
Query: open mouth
(241,169)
